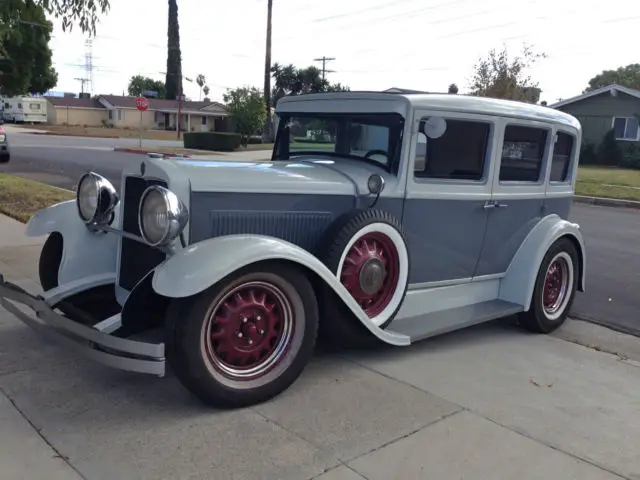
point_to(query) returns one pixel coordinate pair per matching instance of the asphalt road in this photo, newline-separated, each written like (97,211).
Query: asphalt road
(611,235)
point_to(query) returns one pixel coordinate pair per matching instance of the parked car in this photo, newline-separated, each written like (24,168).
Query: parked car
(5,153)
(404,217)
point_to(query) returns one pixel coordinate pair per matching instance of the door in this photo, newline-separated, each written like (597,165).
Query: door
(448,185)
(517,199)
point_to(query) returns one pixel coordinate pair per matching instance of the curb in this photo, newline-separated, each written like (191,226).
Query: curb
(147,152)
(58,134)
(607,202)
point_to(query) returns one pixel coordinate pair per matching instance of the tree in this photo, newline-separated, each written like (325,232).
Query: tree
(499,76)
(25,62)
(628,76)
(453,88)
(139,83)
(173,81)
(201,80)
(289,80)
(206,91)
(246,109)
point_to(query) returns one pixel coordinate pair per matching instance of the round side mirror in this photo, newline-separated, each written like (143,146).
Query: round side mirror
(434,127)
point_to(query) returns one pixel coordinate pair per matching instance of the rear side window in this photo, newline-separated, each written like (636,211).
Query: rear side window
(459,154)
(522,153)
(562,151)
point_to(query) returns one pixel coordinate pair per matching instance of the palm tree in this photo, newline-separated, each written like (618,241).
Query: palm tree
(266,131)
(200,80)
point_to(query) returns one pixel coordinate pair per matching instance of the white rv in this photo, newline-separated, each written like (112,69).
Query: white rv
(25,110)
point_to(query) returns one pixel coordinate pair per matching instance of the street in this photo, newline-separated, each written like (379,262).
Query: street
(611,234)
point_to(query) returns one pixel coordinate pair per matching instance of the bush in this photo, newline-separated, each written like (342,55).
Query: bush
(588,154)
(609,152)
(219,141)
(630,154)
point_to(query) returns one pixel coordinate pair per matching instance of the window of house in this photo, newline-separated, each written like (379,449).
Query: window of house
(110,114)
(625,128)
(522,153)
(561,159)
(119,114)
(459,154)
(19,106)
(204,120)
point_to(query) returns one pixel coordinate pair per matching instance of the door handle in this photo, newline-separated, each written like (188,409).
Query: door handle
(489,204)
(501,205)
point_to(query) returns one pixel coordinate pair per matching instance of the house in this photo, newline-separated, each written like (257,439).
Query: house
(76,111)
(598,111)
(121,112)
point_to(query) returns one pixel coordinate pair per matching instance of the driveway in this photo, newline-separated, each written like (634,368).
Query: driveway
(490,402)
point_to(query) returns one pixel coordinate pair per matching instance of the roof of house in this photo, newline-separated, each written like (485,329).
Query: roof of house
(159,104)
(74,102)
(612,88)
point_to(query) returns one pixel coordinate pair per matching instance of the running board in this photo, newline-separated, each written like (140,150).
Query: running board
(436,323)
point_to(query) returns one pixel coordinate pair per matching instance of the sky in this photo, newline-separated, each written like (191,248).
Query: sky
(377,44)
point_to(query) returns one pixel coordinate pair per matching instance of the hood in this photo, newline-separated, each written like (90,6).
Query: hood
(256,177)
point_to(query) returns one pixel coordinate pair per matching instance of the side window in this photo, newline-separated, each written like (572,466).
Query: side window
(459,154)
(522,153)
(562,151)
(19,106)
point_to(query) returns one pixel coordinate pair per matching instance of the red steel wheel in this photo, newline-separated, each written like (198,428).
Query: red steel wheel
(249,330)
(370,272)
(557,285)
(246,338)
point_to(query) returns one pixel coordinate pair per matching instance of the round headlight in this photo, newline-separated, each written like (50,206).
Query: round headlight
(162,216)
(96,198)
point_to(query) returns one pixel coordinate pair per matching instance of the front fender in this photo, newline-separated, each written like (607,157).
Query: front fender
(195,268)
(519,282)
(84,253)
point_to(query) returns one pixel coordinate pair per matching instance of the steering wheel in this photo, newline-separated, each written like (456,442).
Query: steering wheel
(376,152)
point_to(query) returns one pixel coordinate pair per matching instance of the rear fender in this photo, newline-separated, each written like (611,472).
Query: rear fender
(519,282)
(84,253)
(195,268)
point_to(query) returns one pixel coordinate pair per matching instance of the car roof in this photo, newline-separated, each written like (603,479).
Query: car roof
(444,102)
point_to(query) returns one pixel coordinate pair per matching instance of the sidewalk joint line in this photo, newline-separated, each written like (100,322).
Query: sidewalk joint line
(58,454)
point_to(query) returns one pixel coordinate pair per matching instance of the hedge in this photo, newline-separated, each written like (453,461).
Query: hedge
(218,141)
(611,152)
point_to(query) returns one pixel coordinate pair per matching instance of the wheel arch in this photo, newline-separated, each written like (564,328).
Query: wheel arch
(519,282)
(194,269)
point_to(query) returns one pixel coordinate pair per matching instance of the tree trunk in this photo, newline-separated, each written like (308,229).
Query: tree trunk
(174,58)
(266,131)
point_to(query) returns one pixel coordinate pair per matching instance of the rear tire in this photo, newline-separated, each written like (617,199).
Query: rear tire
(555,289)
(247,338)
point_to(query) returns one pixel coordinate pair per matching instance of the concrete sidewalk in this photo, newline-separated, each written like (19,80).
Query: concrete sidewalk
(490,402)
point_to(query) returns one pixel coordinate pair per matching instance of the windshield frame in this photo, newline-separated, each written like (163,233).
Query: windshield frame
(395,123)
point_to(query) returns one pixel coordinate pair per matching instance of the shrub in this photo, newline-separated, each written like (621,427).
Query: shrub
(588,154)
(609,152)
(630,154)
(220,141)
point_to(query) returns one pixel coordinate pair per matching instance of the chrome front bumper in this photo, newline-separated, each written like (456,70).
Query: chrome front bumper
(91,342)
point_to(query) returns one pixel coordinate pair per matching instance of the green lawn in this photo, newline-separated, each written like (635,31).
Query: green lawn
(608,182)
(21,198)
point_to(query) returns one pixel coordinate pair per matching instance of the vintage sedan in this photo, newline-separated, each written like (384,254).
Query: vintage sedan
(380,218)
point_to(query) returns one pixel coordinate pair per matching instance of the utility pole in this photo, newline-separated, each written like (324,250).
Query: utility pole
(266,131)
(82,82)
(324,61)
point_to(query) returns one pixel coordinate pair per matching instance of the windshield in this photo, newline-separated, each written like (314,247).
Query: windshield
(370,137)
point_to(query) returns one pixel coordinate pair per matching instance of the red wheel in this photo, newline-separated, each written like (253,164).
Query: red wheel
(248,330)
(554,290)
(370,272)
(245,339)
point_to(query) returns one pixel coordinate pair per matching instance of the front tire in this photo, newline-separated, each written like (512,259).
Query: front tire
(555,289)
(247,338)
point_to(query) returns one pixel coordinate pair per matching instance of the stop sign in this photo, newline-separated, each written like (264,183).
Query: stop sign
(142,104)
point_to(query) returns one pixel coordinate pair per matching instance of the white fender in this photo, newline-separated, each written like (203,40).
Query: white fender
(84,253)
(519,282)
(195,268)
